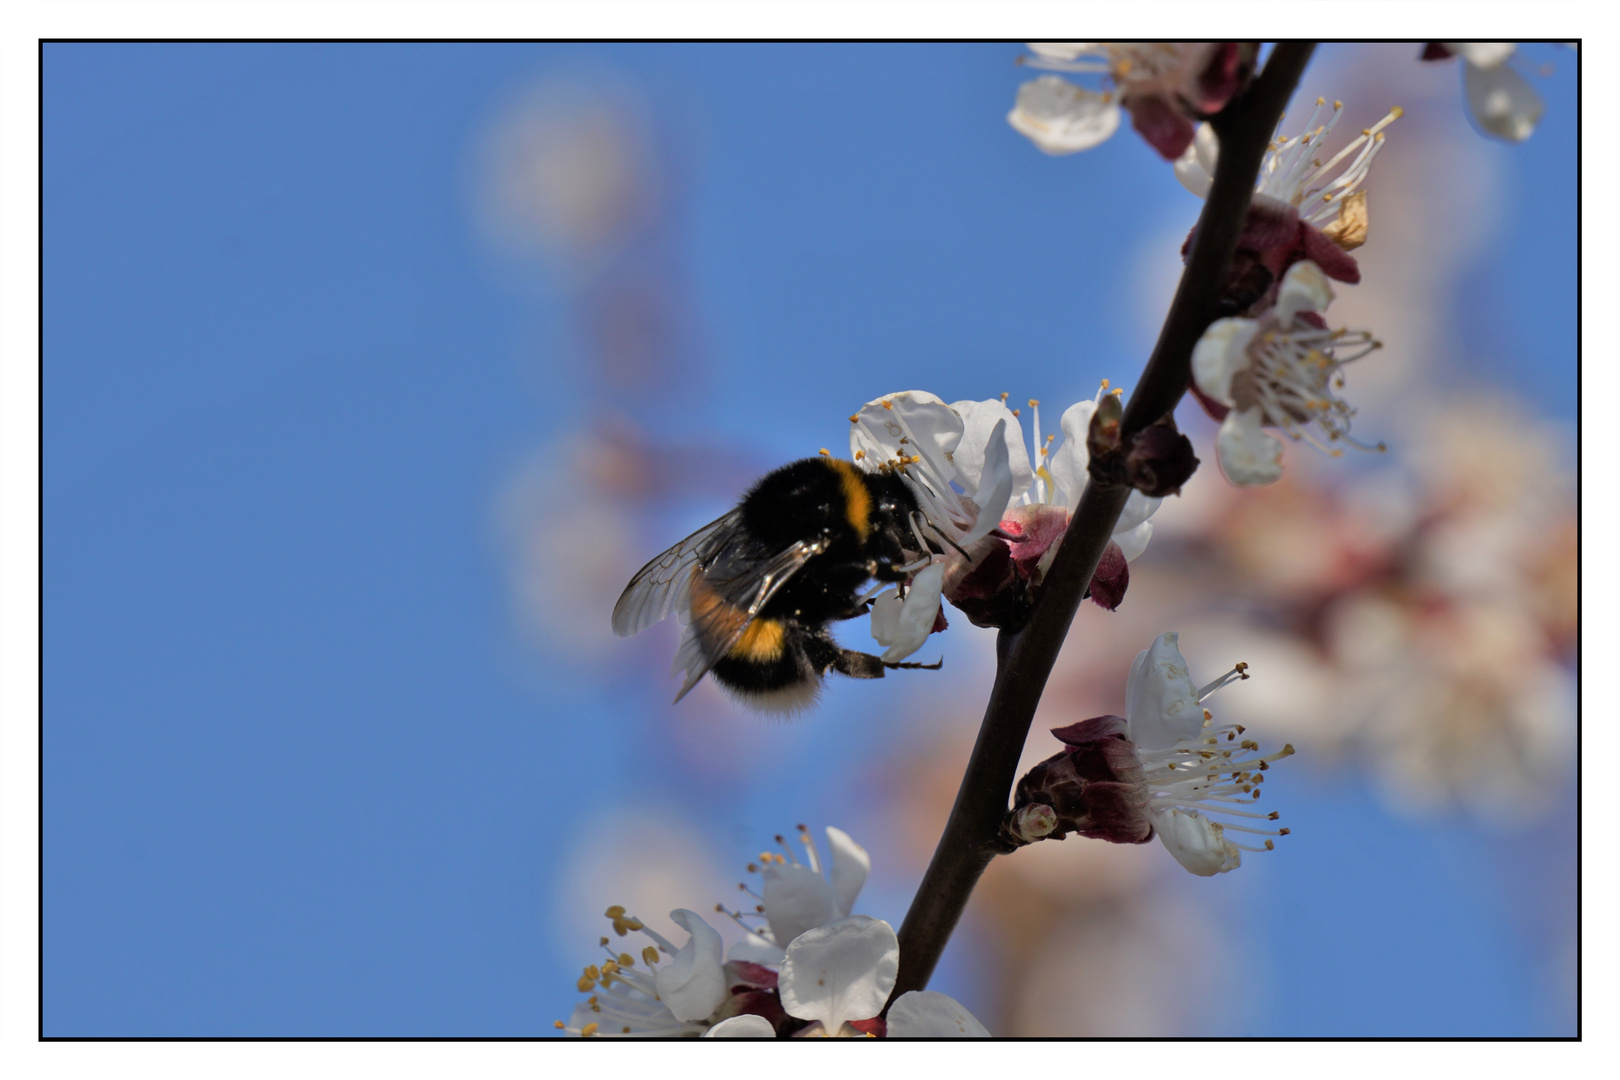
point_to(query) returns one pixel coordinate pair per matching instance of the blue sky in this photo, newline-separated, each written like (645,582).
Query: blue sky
(304,775)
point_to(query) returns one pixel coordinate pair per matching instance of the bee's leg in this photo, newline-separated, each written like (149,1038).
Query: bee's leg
(895,665)
(859,665)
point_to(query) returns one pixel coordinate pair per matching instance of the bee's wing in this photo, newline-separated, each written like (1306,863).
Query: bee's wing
(664,584)
(746,585)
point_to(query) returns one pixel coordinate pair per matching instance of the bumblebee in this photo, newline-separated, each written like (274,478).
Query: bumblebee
(756,588)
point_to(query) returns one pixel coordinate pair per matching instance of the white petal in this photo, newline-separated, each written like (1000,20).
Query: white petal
(693,984)
(840,972)
(746,1026)
(1249,457)
(1195,841)
(1502,102)
(886,608)
(927,1014)
(1062,118)
(1485,54)
(980,421)
(932,427)
(755,950)
(1068,464)
(1195,168)
(1132,542)
(1138,508)
(995,487)
(1304,288)
(796,899)
(1161,702)
(918,613)
(850,865)
(1220,353)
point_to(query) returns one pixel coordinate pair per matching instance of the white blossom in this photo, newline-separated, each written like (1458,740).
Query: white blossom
(1280,370)
(845,971)
(677,994)
(1293,172)
(798,896)
(1194,768)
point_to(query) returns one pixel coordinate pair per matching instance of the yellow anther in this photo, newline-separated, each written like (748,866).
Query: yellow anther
(625,1029)
(558,1024)
(603,941)
(825,452)
(859,454)
(615,912)
(1321,101)
(588,1030)
(1105,384)
(1016,412)
(609,967)
(634,924)
(585,984)
(1004,395)
(888,404)
(1208,715)
(854,419)
(1397,112)
(1338,104)
(1033,403)
(1118,391)
(626,960)
(592,972)
(1270,846)
(649,955)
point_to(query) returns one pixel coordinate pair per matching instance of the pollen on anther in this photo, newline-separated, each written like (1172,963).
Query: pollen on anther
(1033,403)
(1004,395)
(855,419)
(558,1024)
(604,941)
(859,454)
(825,452)
(1284,832)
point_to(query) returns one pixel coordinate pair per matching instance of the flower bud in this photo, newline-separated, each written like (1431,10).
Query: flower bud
(1095,787)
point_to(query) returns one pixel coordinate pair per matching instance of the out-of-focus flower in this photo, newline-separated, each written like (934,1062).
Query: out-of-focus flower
(1503,103)
(1280,371)
(1160,770)
(1303,207)
(1165,86)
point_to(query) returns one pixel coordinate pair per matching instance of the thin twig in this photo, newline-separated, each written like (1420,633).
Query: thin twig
(1025,657)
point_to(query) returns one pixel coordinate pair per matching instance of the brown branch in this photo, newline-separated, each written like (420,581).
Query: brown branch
(1025,657)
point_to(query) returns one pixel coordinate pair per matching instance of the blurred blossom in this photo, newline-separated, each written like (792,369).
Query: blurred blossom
(1502,102)
(566,171)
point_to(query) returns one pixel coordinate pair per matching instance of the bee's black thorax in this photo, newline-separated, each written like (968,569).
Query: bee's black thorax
(860,515)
